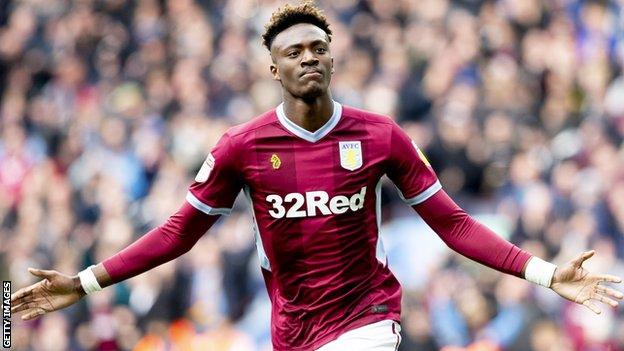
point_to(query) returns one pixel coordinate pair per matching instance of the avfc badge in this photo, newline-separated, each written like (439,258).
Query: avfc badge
(205,169)
(350,154)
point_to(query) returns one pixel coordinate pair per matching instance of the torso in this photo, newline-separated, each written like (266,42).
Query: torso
(316,202)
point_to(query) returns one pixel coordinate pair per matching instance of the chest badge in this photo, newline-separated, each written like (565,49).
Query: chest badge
(275,161)
(350,154)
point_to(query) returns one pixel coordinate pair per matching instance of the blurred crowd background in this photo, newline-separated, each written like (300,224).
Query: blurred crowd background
(109,107)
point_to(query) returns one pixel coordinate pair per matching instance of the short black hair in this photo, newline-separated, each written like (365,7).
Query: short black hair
(289,15)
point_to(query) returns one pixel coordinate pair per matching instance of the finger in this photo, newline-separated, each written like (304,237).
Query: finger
(609,278)
(33,313)
(605,300)
(41,273)
(27,305)
(20,307)
(611,292)
(592,307)
(23,300)
(583,257)
(23,292)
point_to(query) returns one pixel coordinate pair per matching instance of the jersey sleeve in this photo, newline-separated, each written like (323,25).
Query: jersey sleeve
(409,169)
(218,181)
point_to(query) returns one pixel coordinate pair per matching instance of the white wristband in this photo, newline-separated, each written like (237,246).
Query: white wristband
(88,281)
(539,271)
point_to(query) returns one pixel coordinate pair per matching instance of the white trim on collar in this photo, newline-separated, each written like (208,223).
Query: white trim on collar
(312,137)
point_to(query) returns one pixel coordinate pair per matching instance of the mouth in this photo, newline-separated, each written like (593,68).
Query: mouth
(312,72)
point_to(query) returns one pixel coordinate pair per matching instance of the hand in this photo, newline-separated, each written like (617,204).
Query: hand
(576,284)
(54,292)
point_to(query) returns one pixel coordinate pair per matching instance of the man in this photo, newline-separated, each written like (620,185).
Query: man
(311,169)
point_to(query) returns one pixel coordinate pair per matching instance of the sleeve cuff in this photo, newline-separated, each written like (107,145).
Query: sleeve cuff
(539,271)
(195,202)
(424,195)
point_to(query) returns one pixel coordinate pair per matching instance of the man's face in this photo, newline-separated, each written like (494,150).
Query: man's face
(302,61)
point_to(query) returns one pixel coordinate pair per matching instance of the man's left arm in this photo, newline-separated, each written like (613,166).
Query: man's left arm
(467,236)
(470,238)
(420,188)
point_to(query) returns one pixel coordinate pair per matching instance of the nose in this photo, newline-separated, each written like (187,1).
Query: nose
(309,59)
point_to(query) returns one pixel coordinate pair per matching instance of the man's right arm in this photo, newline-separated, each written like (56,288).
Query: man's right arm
(160,245)
(213,193)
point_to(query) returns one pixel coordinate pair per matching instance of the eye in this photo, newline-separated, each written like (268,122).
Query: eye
(292,54)
(321,50)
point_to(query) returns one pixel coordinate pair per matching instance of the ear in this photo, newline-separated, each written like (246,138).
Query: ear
(332,67)
(275,72)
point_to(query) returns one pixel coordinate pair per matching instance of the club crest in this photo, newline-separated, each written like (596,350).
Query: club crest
(350,154)
(275,161)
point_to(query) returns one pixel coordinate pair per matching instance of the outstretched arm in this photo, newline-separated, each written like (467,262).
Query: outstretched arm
(216,186)
(472,239)
(162,244)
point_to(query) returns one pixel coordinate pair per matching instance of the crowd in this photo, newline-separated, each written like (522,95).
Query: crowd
(109,107)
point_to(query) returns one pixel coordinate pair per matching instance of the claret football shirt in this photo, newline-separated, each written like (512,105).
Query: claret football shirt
(316,204)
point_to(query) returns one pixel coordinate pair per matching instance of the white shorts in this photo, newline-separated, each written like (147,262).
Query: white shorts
(380,336)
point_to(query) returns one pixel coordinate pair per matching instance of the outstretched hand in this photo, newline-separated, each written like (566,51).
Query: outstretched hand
(577,284)
(54,292)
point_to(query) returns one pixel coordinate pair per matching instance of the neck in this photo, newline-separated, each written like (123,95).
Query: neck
(309,114)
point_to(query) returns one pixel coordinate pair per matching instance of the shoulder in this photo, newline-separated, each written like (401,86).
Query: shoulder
(367,116)
(238,137)
(384,126)
(243,135)
(242,130)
